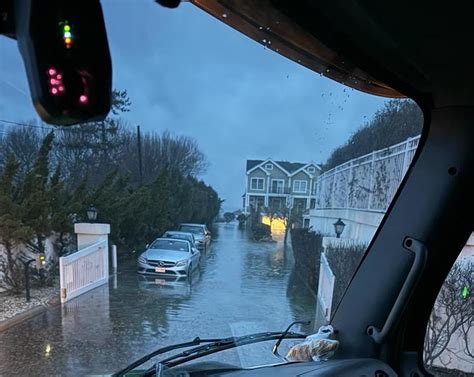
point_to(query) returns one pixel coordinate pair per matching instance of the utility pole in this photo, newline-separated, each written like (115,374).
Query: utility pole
(139,142)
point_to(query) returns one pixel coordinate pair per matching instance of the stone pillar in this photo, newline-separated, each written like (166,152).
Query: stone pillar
(88,234)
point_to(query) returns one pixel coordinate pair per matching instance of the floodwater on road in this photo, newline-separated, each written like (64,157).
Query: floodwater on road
(241,287)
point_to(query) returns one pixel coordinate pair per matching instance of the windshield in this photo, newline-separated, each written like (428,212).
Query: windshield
(191,229)
(170,245)
(290,171)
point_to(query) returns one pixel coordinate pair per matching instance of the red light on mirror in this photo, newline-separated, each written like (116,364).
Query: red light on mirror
(48,34)
(55,82)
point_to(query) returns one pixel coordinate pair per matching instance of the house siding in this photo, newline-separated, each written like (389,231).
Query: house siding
(258,173)
(279,174)
(301,176)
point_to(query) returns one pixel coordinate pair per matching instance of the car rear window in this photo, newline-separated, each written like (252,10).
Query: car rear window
(170,245)
(191,229)
(178,236)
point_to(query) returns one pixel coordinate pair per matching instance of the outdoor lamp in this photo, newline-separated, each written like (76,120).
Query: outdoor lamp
(339,226)
(91,213)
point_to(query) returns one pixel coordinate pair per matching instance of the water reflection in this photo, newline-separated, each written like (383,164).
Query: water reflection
(241,286)
(302,299)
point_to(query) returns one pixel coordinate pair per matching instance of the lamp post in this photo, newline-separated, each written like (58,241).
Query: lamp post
(339,226)
(92,213)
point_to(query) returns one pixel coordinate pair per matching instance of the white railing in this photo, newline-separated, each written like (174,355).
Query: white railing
(325,287)
(84,270)
(368,182)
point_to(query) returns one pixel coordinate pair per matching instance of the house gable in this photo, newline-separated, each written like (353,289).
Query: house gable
(262,164)
(301,175)
(304,168)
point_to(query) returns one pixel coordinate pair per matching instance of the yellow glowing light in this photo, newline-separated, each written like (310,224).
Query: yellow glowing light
(48,349)
(277,224)
(68,40)
(266,220)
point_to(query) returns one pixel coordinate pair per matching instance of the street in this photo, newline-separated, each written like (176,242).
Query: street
(241,287)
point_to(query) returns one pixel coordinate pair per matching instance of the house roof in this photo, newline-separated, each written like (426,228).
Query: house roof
(288,166)
(304,168)
(252,163)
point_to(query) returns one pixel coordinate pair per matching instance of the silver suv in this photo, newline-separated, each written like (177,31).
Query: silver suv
(200,232)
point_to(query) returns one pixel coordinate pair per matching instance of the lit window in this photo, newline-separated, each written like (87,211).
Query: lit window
(256,183)
(299,186)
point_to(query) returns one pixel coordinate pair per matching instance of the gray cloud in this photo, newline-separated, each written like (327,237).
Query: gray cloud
(189,73)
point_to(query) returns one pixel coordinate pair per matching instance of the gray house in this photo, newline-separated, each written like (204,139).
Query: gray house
(279,184)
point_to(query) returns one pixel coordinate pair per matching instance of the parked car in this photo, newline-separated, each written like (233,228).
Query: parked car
(181,235)
(200,232)
(169,257)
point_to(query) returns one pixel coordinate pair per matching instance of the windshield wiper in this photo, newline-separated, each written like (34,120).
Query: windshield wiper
(144,359)
(212,346)
(283,336)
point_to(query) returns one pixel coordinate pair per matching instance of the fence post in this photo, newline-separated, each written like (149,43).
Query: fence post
(405,158)
(26,265)
(114,258)
(348,185)
(62,281)
(333,188)
(371,178)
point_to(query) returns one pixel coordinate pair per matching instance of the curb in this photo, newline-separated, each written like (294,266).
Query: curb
(24,316)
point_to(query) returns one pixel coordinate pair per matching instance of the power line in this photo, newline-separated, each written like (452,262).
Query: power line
(10,122)
(25,124)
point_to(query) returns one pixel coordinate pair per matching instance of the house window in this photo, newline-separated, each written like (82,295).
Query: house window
(311,169)
(269,166)
(300,186)
(257,183)
(277,186)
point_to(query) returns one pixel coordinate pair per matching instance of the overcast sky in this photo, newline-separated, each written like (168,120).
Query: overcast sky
(189,73)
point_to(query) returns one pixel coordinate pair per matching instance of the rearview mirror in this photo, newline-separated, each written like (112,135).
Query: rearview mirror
(66,56)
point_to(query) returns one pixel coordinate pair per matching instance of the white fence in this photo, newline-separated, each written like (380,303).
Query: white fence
(368,182)
(84,270)
(325,287)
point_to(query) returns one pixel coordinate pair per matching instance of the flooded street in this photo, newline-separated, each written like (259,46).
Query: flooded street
(241,287)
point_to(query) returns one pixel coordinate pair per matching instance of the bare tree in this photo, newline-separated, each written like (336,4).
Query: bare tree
(90,150)
(24,144)
(452,317)
(160,153)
